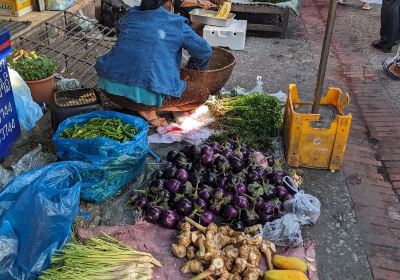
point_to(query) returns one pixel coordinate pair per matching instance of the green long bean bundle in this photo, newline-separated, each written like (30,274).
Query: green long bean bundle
(98,127)
(100,259)
(255,118)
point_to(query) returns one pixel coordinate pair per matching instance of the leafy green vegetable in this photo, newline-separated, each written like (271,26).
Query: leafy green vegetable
(33,67)
(255,118)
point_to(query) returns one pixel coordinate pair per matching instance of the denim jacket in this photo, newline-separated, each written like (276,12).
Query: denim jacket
(148,52)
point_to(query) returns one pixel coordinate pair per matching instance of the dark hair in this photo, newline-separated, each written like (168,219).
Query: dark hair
(151,4)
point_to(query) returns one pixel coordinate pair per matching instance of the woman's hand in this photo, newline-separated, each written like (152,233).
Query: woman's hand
(205,4)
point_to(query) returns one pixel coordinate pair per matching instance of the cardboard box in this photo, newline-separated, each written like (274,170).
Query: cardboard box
(15,7)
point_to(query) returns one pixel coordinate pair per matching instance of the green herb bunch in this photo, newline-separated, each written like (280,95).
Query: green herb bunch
(255,118)
(32,67)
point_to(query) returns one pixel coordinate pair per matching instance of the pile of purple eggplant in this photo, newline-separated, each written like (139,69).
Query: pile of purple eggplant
(227,181)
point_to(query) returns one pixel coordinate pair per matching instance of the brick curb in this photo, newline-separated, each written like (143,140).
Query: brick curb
(372,161)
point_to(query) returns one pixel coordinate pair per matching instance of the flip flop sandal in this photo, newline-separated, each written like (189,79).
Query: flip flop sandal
(385,65)
(366,6)
(342,2)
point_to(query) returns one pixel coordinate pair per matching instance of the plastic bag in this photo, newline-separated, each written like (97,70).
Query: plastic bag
(85,23)
(111,164)
(31,160)
(259,87)
(285,231)
(29,112)
(280,95)
(37,210)
(305,206)
(65,84)
(58,5)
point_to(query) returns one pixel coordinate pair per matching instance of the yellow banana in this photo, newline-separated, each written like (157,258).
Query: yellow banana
(224,10)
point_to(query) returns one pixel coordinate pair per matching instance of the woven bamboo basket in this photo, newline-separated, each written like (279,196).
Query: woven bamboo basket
(217,74)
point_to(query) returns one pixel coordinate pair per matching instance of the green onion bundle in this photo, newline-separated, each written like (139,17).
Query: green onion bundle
(100,259)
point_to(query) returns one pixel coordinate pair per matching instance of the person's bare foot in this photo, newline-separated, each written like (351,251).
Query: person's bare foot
(152,118)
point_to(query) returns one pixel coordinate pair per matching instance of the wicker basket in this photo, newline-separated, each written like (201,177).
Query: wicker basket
(218,73)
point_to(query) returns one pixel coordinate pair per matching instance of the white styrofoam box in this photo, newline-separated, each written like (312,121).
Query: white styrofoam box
(232,36)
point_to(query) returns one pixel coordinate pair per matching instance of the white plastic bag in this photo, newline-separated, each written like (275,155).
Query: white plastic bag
(305,206)
(259,87)
(58,5)
(281,96)
(29,112)
(85,23)
(285,231)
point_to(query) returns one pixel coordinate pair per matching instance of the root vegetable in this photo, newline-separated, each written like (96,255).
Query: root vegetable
(252,274)
(179,251)
(256,241)
(192,266)
(231,252)
(253,229)
(186,227)
(184,239)
(215,268)
(190,252)
(266,250)
(240,265)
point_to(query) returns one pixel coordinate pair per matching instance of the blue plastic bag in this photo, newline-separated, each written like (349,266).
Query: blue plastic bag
(113,164)
(37,210)
(58,5)
(29,112)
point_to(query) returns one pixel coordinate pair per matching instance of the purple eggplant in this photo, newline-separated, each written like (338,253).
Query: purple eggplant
(204,194)
(282,192)
(207,150)
(216,208)
(269,173)
(248,162)
(259,204)
(265,217)
(191,151)
(152,214)
(195,179)
(170,172)
(169,219)
(232,180)
(236,164)
(174,186)
(209,178)
(199,169)
(222,163)
(221,182)
(142,202)
(230,212)
(216,145)
(185,206)
(182,175)
(253,177)
(228,196)
(182,162)
(172,155)
(241,189)
(241,202)
(166,194)
(278,178)
(227,152)
(201,203)
(207,218)
(207,159)
(250,218)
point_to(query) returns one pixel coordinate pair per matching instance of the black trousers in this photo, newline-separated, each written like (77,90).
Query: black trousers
(390,21)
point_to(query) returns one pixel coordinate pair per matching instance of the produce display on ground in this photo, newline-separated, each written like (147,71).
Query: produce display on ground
(254,118)
(113,129)
(228,181)
(100,258)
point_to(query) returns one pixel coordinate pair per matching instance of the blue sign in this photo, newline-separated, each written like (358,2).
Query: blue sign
(9,124)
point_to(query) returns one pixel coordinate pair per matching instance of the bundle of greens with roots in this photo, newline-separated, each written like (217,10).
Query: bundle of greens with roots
(255,118)
(100,259)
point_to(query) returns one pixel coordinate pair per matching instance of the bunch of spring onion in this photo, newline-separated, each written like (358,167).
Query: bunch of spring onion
(100,259)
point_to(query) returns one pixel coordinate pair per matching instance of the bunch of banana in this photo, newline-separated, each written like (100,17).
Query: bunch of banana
(223,11)
(21,53)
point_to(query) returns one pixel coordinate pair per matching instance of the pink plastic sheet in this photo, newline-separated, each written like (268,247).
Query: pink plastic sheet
(157,241)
